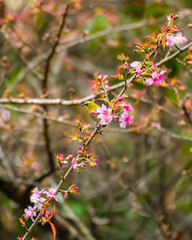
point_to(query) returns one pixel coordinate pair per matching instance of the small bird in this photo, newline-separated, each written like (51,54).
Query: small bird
(91,107)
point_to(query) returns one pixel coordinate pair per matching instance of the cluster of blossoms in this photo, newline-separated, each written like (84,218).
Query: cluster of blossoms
(8,19)
(89,158)
(72,189)
(4,115)
(39,202)
(100,82)
(137,67)
(173,40)
(106,115)
(167,37)
(63,161)
(156,78)
(76,162)
(124,117)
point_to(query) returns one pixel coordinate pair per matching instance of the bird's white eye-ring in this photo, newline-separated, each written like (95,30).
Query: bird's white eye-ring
(88,104)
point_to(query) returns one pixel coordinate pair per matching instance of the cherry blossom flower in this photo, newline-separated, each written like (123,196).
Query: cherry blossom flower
(176,39)
(47,213)
(103,111)
(104,114)
(74,163)
(157,78)
(125,119)
(51,193)
(106,120)
(126,106)
(30,213)
(137,66)
(96,83)
(37,199)
(37,192)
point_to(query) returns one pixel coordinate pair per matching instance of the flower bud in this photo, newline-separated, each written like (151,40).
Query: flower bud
(70,156)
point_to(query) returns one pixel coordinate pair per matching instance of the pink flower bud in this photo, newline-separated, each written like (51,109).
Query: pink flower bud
(70,156)
(79,147)
(66,195)
(86,148)
(79,152)
(121,98)
(47,213)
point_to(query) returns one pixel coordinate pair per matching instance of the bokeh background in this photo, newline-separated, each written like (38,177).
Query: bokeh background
(141,189)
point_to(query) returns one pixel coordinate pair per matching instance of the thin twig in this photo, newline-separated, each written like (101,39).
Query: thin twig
(53,51)
(39,115)
(44,89)
(62,181)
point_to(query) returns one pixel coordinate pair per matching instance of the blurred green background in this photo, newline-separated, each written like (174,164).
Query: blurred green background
(141,189)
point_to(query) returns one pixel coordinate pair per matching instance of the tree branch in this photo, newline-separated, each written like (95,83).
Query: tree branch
(68,103)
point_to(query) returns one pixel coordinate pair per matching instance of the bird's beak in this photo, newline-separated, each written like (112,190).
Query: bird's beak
(82,104)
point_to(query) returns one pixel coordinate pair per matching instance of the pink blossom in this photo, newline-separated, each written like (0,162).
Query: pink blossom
(74,163)
(106,120)
(37,199)
(69,157)
(66,195)
(157,78)
(103,110)
(155,125)
(36,166)
(30,213)
(47,215)
(137,66)
(51,193)
(126,106)
(176,39)
(125,119)
(37,192)
(104,114)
